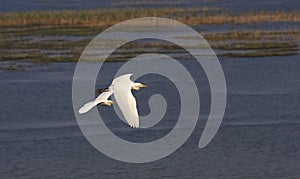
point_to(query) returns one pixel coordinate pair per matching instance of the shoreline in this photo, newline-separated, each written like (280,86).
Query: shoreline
(60,36)
(103,18)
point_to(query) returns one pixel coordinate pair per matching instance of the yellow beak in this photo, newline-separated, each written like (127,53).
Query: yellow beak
(144,86)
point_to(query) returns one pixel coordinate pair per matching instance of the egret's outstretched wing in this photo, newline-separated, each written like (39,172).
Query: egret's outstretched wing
(125,99)
(101,98)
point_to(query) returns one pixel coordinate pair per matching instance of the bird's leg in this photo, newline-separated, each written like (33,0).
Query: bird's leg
(99,91)
(107,103)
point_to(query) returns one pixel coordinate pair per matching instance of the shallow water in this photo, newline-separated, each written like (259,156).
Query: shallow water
(259,136)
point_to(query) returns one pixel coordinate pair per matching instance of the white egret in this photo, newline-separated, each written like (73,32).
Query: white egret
(121,89)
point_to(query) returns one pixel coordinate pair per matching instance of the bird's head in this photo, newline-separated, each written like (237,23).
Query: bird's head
(137,86)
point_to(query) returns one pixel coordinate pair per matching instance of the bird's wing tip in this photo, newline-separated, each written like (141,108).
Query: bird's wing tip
(81,111)
(133,126)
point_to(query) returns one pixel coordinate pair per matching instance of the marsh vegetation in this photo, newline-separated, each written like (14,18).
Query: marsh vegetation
(60,36)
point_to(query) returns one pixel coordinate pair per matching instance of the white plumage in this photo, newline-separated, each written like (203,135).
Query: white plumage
(121,89)
(125,100)
(101,99)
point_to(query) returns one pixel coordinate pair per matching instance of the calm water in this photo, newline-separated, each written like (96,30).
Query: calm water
(235,5)
(259,136)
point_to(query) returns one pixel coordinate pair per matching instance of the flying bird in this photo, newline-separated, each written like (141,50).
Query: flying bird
(121,89)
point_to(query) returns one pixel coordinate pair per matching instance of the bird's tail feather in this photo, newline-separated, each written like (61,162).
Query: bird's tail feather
(88,106)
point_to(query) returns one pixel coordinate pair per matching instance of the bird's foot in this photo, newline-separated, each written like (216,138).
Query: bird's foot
(107,103)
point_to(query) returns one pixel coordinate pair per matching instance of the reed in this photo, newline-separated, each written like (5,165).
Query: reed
(252,35)
(22,35)
(103,18)
(258,54)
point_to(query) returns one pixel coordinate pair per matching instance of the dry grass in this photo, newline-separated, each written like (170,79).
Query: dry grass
(258,54)
(243,18)
(257,46)
(21,33)
(103,18)
(66,51)
(253,35)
